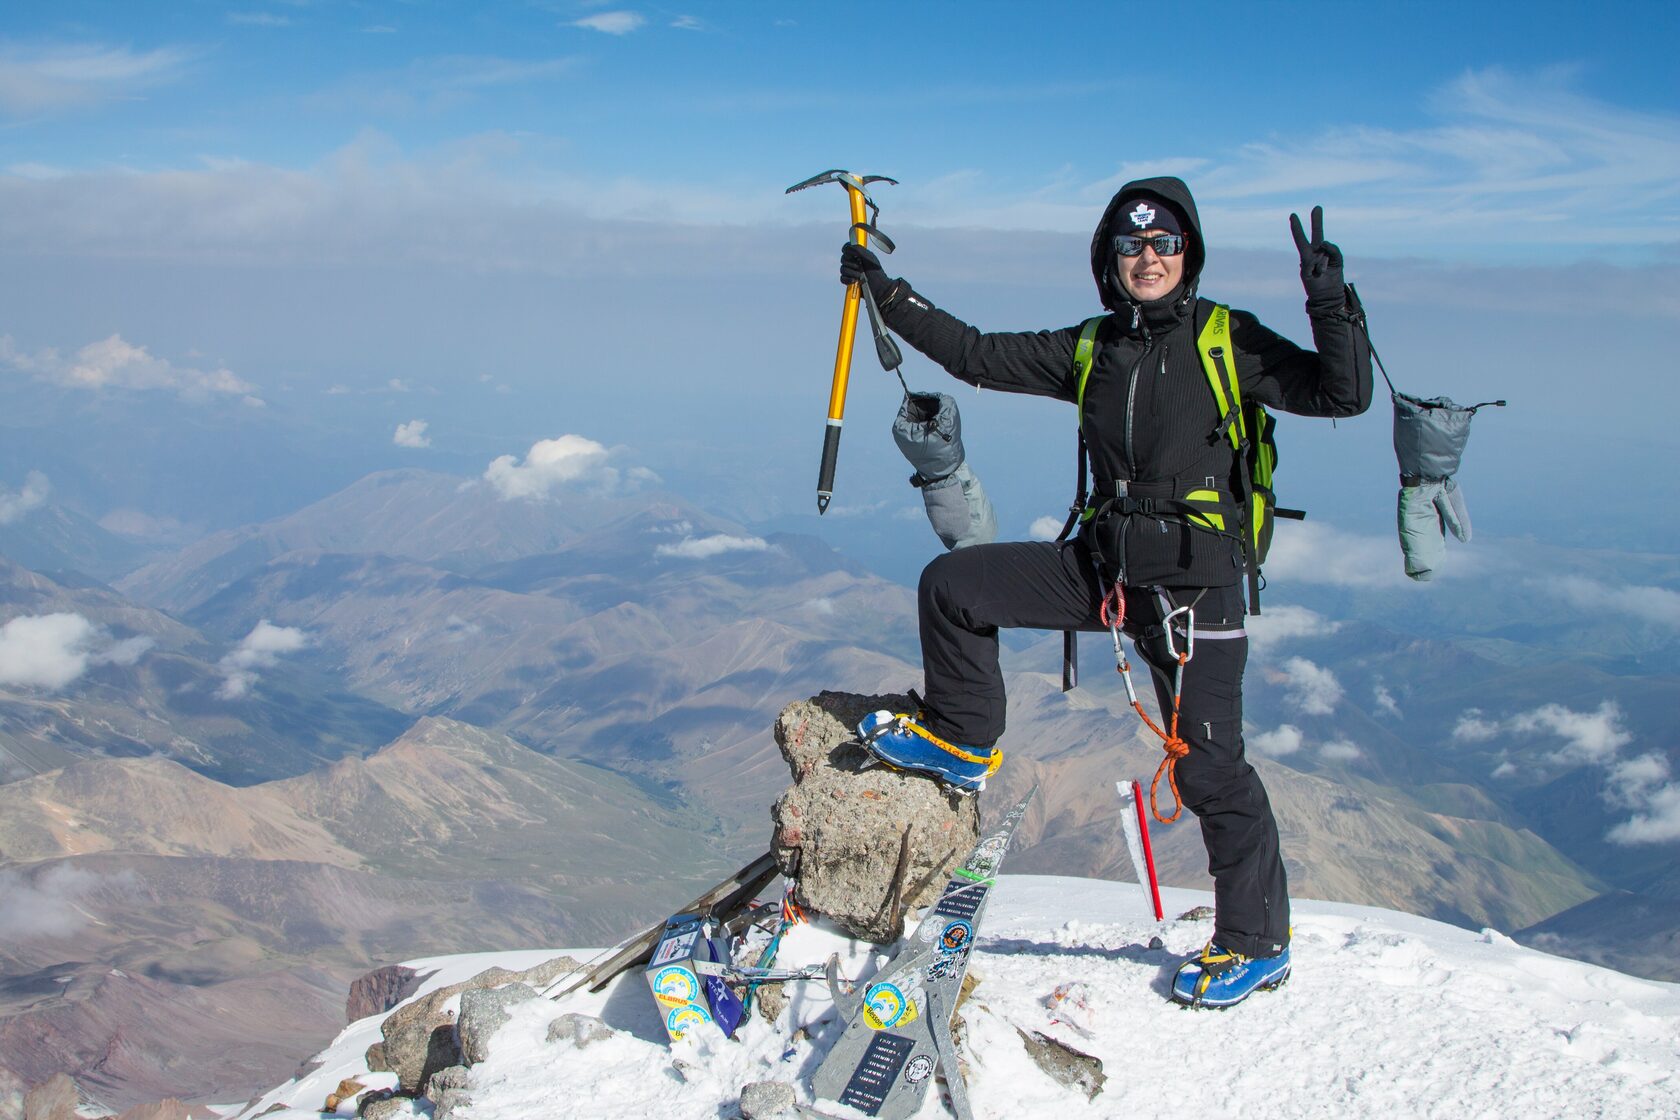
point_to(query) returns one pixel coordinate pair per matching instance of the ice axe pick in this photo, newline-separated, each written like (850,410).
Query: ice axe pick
(864,211)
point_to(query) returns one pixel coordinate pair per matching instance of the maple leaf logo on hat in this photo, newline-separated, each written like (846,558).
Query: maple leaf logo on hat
(1143,217)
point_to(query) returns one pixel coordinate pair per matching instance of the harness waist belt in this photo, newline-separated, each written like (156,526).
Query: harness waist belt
(1127,488)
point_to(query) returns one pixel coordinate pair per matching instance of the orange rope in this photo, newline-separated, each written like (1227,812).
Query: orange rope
(1113,614)
(1175,748)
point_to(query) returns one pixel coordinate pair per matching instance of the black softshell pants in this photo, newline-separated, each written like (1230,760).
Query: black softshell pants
(966,595)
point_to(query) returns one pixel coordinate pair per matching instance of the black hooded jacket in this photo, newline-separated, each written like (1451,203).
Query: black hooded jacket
(1149,414)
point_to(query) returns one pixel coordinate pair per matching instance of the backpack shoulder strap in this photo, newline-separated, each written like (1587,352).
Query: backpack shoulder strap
(1219,362)
(1083,354)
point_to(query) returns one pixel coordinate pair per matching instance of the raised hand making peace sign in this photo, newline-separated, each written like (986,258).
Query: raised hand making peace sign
(1321,261)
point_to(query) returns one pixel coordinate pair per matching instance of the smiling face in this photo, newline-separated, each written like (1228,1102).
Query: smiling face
(1148,276)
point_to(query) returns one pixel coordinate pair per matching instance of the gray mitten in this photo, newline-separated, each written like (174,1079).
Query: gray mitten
(928,430)
(959,510)
(1449,503)
(1421,539)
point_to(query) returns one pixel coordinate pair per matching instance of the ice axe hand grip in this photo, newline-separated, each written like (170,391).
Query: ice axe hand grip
(886,350)
(863,210)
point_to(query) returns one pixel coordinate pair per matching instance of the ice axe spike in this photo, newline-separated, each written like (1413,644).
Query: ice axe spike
(864,211)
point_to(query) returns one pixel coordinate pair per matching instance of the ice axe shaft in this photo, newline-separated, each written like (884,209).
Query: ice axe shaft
(860,207)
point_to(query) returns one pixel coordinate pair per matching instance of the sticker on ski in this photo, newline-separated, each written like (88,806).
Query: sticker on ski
(899,1031)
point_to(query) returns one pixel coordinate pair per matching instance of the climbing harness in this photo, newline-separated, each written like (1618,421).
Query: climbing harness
(1114,616)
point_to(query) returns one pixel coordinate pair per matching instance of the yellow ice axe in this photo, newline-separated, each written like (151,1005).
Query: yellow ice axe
(862,226)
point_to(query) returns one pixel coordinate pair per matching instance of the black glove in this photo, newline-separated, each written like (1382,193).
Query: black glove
(858,263)
(1321,263)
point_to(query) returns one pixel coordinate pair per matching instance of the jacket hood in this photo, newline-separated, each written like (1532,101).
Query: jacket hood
(1175,194)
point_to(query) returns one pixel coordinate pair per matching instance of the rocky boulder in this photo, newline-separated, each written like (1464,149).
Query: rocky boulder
(483,1012)
(419,1037)
(378,991)
(580,1030)
(864,843)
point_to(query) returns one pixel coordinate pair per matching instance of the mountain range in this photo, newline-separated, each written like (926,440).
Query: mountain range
(522,722)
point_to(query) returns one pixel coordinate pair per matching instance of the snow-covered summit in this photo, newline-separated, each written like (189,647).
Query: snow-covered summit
(1386,1015)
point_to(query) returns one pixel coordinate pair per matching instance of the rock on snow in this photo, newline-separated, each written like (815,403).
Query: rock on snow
(1386,1015)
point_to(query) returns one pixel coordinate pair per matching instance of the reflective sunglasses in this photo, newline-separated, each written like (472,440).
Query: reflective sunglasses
(1164,244)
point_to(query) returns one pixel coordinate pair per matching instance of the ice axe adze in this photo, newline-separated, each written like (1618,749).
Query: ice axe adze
(864,212)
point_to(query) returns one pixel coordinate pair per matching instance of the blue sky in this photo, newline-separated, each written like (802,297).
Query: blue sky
(989,114)
(520,221)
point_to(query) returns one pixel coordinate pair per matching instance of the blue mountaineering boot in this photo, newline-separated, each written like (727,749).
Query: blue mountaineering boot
(1216,977)
(900,741)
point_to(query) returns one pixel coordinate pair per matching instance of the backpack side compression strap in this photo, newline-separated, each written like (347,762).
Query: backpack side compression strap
(1219,362)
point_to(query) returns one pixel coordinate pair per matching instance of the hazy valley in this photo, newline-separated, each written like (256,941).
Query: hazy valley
(482,723)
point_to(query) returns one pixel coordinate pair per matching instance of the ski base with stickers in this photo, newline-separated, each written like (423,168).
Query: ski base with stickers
(899,1032)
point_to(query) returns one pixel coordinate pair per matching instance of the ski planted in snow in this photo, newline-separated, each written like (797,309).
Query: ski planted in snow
(900,1030)
(722,902)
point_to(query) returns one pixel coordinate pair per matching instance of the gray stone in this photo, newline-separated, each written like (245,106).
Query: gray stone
(838,830)
(483,1012)
(771,1000)
(55,1098)
(419,1036)
(386,1108)
(1065,1065)
(370,1098)
(455,1077)
(579,1029)
(762,1100)
(1197,914)
(446,1102)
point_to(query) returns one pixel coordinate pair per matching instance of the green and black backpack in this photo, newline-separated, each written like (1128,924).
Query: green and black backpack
(1247,424)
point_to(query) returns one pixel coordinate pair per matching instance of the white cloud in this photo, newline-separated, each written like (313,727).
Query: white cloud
(51,651)
(1588,737)
(1045,528)
(1312,552)
(612,23)
(31,495)
(126,652)
(45,651)
(688,23)
(1310,687)
(1645,604)
(1472,728)
(38,79)
(118,364)
(1384,700)
(258,19)
(822,605)
(1509,159)
(1595,738)
(1282,741)
(1658,824)
(1280,624)
(137,523)
(1340,750)
(54,905)
(550,464)
(703,548)
(1632,780)
(397,385)
(260,649)
(412,434)
(1591,737)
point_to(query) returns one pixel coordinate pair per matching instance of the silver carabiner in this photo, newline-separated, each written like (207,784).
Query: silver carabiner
(1189,633)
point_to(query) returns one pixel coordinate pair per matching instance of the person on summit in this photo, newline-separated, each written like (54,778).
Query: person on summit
(1165,531)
